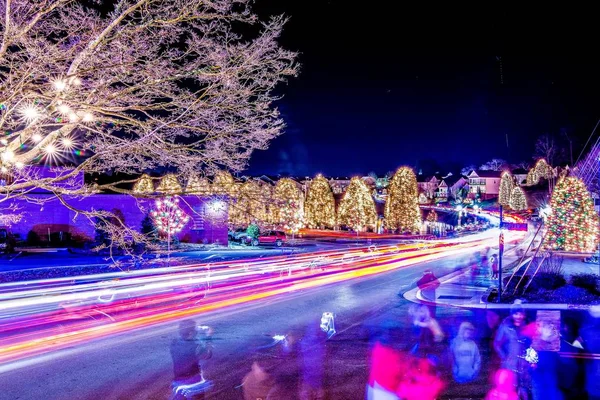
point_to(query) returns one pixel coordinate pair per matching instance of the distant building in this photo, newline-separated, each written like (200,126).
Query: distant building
(520,176)
(45,215)
(484,184)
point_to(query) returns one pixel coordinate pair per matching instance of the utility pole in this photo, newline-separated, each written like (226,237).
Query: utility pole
(500,254)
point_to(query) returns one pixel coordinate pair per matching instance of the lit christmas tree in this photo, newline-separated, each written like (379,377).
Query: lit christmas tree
(287,205)
(169,184)
(320,204)
(402,210)
(518,201)
(198,186)
(144,185)
(542,170)
(432,216)
(250,206)
(506,188)
(224,184)
(531,177)
(168,218)
(357,208)
(573,222)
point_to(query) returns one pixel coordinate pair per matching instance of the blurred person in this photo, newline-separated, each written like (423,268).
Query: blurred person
(419,380)
(571,377)
(385,370)
(494,264)
(512,340)
(429,335)
(258,382)
(188,352)
(466,358)
(504,386)
(428,285)
(314,355)
(590,336)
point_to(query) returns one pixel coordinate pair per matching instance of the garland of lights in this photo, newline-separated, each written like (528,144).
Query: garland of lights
(402,210)
(518,201)
(224,184)
(573,222)
(506,189)
(169,184)
(357,208)
(320,204)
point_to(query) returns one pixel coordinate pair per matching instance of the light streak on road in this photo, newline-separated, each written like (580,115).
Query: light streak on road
(41,317)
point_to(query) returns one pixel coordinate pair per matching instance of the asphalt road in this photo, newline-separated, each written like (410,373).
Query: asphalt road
(137,364)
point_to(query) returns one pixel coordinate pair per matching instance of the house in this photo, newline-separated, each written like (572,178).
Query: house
(520,175)
(428,185)
(455,184)
(339,184)
(45,215)
(484,184)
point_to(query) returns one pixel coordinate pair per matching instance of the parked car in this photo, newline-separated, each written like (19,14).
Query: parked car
(3,238)
(270,237)
(238,235)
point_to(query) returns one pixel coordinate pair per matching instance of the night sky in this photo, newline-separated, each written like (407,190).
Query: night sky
(434,88)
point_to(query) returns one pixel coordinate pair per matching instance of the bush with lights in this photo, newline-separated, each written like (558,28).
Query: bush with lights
(320,204)
(402,210)
(506,189)
(518,201)
(573,221)
(357,208)
(287,205)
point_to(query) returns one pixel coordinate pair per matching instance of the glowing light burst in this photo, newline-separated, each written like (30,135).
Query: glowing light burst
(59,85)
(36,137)
(30,113)
(64,109)
(67,143)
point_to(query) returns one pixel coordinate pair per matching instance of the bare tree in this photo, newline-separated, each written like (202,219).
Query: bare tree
(495,164)
(178,84)
(467,170)
(546,148)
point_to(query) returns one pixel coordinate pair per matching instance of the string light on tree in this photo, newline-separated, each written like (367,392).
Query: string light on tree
(506,189)
(144,185)
(357,208)
(518,201)
(573,222)
(169,218)
(169,184)
(198,186)
(402,210)
(432,217)
(288,205)
(320,204)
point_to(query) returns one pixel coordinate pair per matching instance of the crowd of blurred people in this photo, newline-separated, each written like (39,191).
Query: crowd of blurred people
(498,354)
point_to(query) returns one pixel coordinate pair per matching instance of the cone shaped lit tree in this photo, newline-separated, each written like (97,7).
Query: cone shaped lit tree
(506,189)
(402,206)
(357,208)
(573,222)
(288,205)
(542,170)
(320,204)
(250,206)
(518,201)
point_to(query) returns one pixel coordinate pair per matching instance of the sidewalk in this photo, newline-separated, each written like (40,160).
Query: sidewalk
(458,289)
